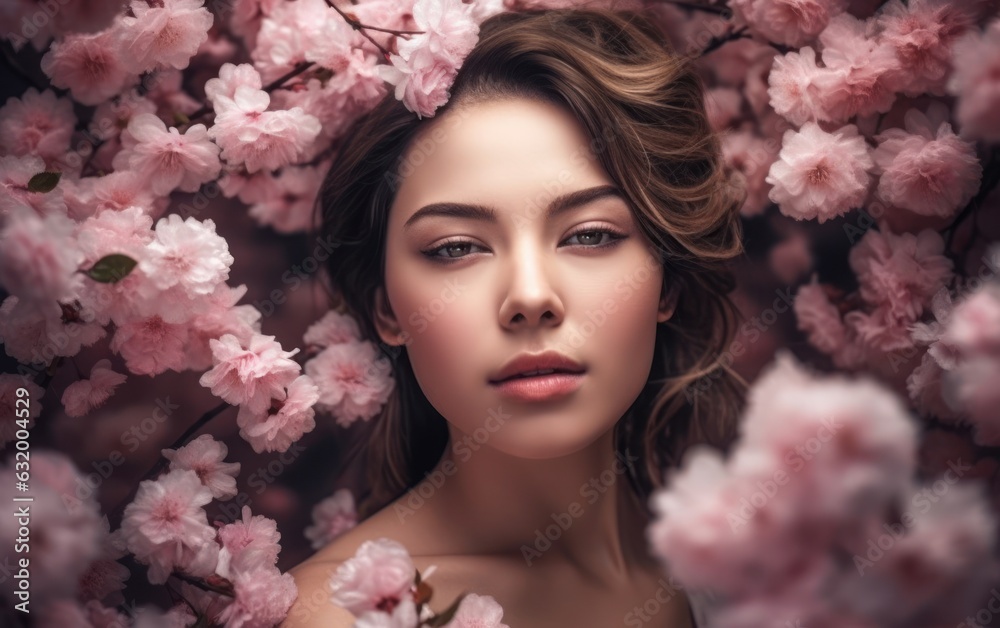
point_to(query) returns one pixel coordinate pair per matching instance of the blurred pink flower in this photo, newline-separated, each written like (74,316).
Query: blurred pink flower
(353,382)
(976,83)
(260,139)
(33,333)
(65,529)
(332,517)
(262,598)
(15,173)
(251,377)
(117,191)
(922,32)
(820,175)
(84,395)
(151,345)
(861,74)
(105,577)
(187,254)
(927,169)
(819,318)
(90,66)
(289,206)
(285,421)
(791,258)
(37,124)
(204,455)
(378,577)
(333,328)
(166,34)
(478,611)
(722,105)
(402,614)
(166,158)
(789,22)
(165,526)
(39,258)
(250,544)
(792,86)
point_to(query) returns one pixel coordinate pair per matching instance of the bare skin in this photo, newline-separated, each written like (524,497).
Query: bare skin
(527,279)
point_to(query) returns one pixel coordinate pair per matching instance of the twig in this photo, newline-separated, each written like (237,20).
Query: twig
(717,42)
(356,25)
(991,176)
(162,461)
(694,6)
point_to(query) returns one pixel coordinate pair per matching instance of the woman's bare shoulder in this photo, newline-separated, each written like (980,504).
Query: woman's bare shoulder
(313,606)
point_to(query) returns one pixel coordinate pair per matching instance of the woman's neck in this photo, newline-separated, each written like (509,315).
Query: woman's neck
(579,508)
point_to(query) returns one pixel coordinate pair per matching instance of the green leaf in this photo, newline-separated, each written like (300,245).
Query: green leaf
(44,181)
(111,268)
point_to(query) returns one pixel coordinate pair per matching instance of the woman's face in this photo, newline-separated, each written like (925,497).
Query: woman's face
(469,293)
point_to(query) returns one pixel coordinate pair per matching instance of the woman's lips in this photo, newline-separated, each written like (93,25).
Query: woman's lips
(540,387)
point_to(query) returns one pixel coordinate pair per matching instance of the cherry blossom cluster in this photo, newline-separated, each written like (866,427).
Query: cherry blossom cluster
(815,518)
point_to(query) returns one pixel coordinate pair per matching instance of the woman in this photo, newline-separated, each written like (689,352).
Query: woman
(565,212)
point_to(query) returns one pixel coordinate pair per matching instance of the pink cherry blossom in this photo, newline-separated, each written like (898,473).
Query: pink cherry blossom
(378,576)
(167,158)
(927,169)
(151,345)
(221,91)
(165,34)
(204,455)
(221,317)
(9,385)
(119,190)
(187,254)
(449,30)
(900,271)
(84,395)
(90,66)
(332,329)
(478,611)
(165,526)
(260,139)
(37,124)
(288,31)
(353,382)
(422,81)
(262,599)
(976,83)
(251,377)
(862,71)
(922,32)
(820,175)
(792,86)
(39,258)
(722,106)
(248,545)
(790,22)
(15,173)
(332,517)
(285,422)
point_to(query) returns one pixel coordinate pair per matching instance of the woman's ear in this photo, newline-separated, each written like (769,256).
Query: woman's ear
(668,303)
(385,320)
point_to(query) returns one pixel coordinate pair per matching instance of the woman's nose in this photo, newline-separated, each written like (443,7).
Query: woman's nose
(532,296)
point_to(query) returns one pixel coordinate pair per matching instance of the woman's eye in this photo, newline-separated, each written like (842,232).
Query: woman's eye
(588,238)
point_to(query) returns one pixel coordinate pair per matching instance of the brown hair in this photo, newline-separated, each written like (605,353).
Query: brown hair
(642,105)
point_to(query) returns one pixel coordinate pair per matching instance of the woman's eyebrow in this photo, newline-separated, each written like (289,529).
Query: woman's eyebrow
(558,205)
